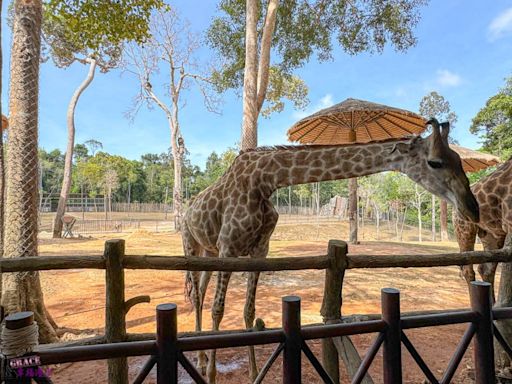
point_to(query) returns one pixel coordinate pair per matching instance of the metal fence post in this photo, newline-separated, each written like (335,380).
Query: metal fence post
(392,351)
(481,303)
(292,350)
(166,337)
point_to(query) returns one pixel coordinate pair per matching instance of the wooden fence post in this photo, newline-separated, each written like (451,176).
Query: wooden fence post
(115,321)
(331,304)
(292,350)
(481,303)
(392,350)
(166,337)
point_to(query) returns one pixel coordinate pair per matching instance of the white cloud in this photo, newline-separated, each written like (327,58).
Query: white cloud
(445,78)
(501,25)
(325,102)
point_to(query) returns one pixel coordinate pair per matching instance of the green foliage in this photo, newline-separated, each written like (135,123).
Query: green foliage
(51,170)
(304,27)
(216,166)
(283,85)
(435,105)
(98,28)
(493,123)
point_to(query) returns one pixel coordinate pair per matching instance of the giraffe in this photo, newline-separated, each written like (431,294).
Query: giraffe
(494,196)
(235,217)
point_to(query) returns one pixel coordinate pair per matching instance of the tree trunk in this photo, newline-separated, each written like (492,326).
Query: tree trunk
(419,222)
(250,106)
(433,218)
(352,210)
(266,43)
(68,160)
(22,291)
(443,217)
(2,173)
(178,150)
(377,216)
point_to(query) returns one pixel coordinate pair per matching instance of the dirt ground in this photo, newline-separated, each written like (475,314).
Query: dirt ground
(76,298)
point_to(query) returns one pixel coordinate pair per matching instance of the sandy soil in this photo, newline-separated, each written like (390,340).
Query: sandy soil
(76,299)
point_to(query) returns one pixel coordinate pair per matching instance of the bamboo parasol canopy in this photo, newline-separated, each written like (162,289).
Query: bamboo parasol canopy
(356,121)
(5,123)
(472,160)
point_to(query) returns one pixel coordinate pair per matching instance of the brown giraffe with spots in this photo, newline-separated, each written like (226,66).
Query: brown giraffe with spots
(235,217)
(494,196)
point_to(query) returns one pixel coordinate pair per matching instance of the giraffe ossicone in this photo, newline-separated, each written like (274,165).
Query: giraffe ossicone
(235,217)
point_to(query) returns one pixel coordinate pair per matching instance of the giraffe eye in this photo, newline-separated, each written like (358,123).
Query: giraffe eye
(436,164)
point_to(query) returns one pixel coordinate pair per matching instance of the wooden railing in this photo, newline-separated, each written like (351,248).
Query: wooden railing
(335,262)
(168,350)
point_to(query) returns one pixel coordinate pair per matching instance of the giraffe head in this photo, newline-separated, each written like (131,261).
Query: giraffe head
(437,168)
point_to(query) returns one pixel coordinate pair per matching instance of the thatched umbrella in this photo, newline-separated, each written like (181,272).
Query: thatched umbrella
(356,121)
(472,161)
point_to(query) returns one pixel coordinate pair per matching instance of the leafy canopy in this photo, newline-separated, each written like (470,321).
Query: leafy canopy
(74,28)
(493,123)
(307,26)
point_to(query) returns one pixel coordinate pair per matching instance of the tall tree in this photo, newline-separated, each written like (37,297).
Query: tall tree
(2,166)
(493,123)
(173,45)
(22,291)
(435,105)
(92,33)
(249,32)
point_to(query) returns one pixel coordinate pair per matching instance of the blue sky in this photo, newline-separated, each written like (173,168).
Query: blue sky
(463,52)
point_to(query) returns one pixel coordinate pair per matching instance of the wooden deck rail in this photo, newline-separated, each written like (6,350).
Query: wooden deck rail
(181,263)
(334,263)
(168,349)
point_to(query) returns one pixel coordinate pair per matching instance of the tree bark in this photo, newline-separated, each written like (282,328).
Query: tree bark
(433,218)
(2,172)
(443,217)
(178,148)
(250,108)
(22,290)
(266,42)
(68,160)
(352,210)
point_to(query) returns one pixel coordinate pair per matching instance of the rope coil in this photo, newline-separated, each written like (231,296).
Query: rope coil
(17,342)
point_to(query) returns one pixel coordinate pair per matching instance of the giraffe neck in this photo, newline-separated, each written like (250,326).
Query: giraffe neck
(310,164)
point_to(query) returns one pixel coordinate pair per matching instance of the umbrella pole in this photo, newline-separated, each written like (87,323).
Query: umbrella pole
(352,199)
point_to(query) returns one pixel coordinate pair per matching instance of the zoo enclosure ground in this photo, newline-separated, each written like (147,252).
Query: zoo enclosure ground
(76,298)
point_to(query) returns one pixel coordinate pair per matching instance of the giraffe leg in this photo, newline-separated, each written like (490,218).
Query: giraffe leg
(487,271)
(192,248)
(217,314)
(203,285)
(260,251)
(249,315)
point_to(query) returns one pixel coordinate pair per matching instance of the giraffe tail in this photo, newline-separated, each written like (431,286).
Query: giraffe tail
(188,287)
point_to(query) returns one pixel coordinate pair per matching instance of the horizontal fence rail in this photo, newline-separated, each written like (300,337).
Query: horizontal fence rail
(334,335)
(181,263)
